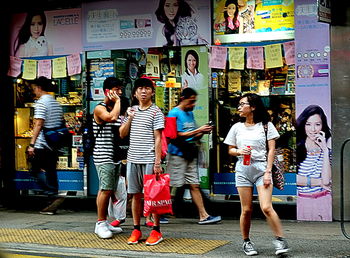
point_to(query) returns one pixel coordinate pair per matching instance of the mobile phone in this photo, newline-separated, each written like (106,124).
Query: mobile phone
(107,91)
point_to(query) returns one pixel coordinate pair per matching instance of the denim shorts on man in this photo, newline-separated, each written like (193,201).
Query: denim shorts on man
(134,175)
(250,175)
(108,175)
(182,171)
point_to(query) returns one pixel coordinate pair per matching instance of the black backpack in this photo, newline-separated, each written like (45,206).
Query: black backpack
(89,138)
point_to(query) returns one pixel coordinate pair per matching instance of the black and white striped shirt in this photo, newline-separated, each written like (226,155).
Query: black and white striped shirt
(142,141)
(105,140)
(48,109)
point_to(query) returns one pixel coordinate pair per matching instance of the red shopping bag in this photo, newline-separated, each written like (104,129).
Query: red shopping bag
(157,197)
(170,129)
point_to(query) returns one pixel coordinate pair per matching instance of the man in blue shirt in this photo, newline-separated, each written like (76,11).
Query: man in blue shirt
(183,151)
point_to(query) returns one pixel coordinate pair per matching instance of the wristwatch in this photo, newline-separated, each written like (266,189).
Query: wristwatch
(31,145)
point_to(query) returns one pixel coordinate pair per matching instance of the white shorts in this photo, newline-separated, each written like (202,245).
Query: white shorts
(250,175)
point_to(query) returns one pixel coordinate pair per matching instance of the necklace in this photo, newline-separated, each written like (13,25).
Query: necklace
(144,108)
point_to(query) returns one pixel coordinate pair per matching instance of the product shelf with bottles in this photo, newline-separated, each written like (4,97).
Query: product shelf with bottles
(276,87)
(70,165)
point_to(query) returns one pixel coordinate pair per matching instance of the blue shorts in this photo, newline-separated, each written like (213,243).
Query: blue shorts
(250,175)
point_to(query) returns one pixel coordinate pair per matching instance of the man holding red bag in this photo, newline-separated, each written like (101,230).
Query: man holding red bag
(145,123)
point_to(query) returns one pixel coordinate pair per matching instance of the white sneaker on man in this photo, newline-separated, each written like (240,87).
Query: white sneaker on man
(102,230)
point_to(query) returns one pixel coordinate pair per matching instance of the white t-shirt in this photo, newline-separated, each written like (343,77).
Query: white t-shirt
(195,81)
(253,136)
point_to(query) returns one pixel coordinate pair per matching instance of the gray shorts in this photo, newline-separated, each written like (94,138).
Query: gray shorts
(108,175)
(182,171)
(134,175)
(250,175)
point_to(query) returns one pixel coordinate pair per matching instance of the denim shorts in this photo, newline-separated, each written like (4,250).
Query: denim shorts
(250,175)
(108,175)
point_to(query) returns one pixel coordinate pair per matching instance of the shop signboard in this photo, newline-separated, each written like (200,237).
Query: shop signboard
(140,23)
(313,113)
(324,11)
(252,20)
(46,33)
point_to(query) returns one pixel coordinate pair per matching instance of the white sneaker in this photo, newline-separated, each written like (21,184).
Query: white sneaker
(102,230)
(114,230)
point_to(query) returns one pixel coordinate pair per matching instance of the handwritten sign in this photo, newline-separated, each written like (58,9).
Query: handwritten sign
(273,56)
(29,69)
(74,64)
(15,66)
(218,57)
(44,68)
(59,67)
(255,58)
(289,52)
(236,58)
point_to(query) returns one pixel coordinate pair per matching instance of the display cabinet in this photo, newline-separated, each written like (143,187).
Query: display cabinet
(70,165)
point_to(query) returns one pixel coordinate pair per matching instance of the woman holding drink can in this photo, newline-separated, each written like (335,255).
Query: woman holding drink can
(247,141)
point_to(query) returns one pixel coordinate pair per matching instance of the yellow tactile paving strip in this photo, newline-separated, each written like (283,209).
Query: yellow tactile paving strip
(118,242)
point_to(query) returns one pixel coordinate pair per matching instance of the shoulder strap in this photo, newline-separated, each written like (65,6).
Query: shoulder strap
(267,144)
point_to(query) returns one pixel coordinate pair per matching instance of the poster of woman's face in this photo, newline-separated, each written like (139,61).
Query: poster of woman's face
(46,33)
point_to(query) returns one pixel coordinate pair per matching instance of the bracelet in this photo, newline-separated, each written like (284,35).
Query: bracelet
(31,145)
(157,165)
(308,183)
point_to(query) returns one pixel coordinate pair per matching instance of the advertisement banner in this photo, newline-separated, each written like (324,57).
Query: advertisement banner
(313,113)
(198,80)
(252,20)
(46,33)
(152,23)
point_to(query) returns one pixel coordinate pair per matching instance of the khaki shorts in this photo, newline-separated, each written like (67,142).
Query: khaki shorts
(108,175)
(182,171)
(134,175)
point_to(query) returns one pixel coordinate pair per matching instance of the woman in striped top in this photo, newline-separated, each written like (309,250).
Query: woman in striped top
(314,165)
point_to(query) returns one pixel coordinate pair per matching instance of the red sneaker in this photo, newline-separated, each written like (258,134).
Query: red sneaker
(154,238)
(149,224)
(135,237)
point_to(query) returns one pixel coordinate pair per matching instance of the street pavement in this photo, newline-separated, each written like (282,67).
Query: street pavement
(306,239)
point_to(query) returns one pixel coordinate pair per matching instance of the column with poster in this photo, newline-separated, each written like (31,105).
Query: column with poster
(313,109)
(194,66)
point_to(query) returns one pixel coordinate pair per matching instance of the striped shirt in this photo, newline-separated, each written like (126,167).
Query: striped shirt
(104,143)
(48,109)
(142,141)
(311,167)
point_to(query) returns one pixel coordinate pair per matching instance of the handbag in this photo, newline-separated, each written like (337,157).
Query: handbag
(157,197)
(277,170)
(58,137)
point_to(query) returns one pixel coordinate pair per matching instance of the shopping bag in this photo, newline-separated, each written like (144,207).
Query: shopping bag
(170,128)
(157,197)
(117,209)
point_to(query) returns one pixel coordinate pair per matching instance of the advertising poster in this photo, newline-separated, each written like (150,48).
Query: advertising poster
(313,114)
(151,23)
(252,20)
(46,33)
(194,66)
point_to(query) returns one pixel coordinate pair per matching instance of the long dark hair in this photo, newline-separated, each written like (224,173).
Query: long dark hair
(300,129)
(227,3)
(183,11)
(24,33)
(195,55)
(260,113)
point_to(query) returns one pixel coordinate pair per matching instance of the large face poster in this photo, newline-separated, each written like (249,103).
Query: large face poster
(151,23)
(48,33)
(194,66)
(313,111)
(252,20)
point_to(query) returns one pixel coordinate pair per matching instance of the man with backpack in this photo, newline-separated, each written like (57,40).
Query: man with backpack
(106,155)
(48,113)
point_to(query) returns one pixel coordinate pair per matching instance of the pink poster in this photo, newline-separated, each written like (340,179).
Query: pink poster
(74,64)
(48,33)
(255,58)
(44,68)
(218,56)
(15,67)
(289,52)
